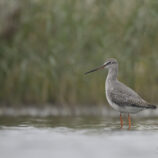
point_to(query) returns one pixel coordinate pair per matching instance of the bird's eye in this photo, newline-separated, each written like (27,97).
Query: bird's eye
(112,62)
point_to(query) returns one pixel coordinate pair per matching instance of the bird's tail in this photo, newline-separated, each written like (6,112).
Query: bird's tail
(150,106)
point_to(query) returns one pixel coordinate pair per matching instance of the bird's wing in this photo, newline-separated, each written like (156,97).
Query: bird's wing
(124,96)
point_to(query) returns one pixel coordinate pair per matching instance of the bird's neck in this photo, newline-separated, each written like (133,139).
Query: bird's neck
(112,74)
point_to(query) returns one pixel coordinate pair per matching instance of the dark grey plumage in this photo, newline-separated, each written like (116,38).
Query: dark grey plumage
(121,97)
(124,96)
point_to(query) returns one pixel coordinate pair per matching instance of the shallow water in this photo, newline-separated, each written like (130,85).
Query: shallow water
(77,137)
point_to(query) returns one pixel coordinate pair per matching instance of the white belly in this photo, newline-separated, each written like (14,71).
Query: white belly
(122,109)
(113,105)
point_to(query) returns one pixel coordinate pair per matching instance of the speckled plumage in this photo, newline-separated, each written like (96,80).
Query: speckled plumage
(121,97)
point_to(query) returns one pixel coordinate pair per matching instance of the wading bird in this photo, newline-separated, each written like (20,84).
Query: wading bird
(119,96)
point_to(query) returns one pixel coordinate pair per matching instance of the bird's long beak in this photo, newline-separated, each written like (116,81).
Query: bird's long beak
(98,68)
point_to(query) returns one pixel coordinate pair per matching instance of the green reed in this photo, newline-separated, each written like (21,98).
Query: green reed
(44,58)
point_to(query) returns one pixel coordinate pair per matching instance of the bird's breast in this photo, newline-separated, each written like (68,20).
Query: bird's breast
(108,90)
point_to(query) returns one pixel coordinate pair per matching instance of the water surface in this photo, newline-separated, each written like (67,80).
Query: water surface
(77,137)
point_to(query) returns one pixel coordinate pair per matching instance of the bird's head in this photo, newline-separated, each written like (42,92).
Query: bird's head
(110,63)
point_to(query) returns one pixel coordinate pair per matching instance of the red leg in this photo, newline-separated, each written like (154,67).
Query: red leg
(121,121)
(129,122)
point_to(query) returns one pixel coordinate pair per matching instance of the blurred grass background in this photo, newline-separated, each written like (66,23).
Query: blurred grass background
(47,45)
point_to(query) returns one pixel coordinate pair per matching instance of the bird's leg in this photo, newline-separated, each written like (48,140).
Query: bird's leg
(121,121)
(129,122)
